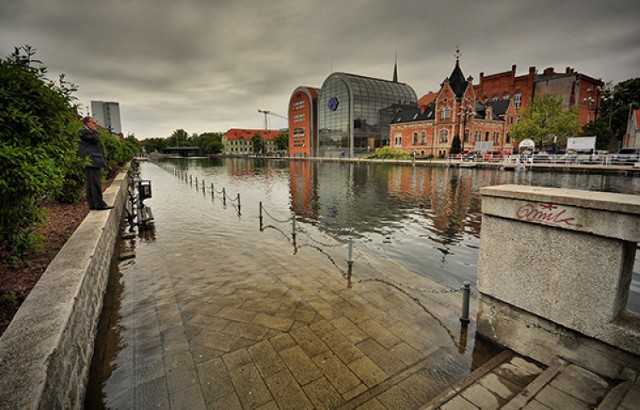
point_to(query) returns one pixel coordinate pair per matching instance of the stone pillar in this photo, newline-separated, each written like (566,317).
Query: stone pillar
(554,272)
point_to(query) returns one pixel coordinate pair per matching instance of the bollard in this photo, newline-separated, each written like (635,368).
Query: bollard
(466,292)
(349,261)
(212,189)
(238,201)
(260,215)
(203,188)
(224,196)
(190,179)
(293,228)
(197,183)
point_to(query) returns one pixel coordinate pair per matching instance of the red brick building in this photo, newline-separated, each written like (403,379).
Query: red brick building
(454,110)
(487,110)
(303,121)
(574,88)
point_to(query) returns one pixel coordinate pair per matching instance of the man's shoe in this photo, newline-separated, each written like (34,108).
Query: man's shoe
(104,208)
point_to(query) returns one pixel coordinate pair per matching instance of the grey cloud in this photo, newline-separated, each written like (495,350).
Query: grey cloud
(209,65)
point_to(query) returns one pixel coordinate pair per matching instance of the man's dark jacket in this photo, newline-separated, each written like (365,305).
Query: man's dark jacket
(90,147)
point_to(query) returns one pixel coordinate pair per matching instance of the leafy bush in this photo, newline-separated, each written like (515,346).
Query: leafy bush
(389,153)
(36,144)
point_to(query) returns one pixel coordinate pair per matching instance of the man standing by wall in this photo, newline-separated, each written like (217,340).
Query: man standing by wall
(90,148)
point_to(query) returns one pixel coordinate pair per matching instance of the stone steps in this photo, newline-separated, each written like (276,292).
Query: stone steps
(510,381)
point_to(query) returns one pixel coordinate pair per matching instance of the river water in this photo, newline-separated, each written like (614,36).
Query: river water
(427,219)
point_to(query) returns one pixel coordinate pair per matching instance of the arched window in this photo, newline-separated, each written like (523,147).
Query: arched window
(506,96)
(423,138)
(486,136)
(415,138)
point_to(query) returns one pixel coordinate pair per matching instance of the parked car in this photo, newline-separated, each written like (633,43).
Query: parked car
(626,156)
(471,156)
(501,154)
(540,157)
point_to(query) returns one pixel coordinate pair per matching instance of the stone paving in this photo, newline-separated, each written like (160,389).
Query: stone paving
(259,334)
(234,324)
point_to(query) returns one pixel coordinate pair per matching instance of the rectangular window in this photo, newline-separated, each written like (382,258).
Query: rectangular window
(517,100)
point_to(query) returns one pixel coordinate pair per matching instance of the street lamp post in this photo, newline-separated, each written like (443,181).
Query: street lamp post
(594,103)
(464,114)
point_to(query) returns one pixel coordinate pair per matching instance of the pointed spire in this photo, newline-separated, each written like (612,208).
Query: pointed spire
(395,70)
(457,80)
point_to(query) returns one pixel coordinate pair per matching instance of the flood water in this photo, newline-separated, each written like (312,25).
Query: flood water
(425,219)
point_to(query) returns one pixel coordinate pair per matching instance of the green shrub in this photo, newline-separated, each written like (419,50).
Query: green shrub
(389,153)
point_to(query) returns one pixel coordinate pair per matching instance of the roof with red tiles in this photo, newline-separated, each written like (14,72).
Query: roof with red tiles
(243,134)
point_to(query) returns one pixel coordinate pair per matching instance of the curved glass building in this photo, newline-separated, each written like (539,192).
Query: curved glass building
(354,113)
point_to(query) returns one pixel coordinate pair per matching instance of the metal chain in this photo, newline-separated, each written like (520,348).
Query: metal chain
(277,220)
(326,245)
(424,290)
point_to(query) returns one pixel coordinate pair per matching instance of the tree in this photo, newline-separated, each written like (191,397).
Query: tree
(178,138)
(456,145)
(258,144)
(545,119)
(155,144)
(617,101)
(210,142)
(601,130)
(282,142)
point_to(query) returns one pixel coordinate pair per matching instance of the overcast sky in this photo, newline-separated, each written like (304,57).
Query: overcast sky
(209,65)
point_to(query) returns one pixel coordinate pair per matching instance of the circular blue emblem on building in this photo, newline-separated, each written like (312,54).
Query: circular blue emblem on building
(332,104)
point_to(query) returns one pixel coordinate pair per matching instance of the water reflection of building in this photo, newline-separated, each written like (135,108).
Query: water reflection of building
(353,115)
(362,198)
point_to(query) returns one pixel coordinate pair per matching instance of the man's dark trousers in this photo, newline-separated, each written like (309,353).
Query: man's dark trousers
(94,188)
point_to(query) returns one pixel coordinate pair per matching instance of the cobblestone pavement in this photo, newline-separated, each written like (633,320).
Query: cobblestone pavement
(245,320)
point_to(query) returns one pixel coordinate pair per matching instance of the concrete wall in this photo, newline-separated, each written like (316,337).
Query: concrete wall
(46,351)
(554,272)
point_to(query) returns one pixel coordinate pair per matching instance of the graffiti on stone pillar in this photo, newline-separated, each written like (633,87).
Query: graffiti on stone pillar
(547,214)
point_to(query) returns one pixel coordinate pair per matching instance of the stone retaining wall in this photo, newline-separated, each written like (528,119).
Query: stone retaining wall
(46,351)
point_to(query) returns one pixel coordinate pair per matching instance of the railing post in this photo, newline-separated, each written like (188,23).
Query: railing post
(466,293)
(349,261)
(224,196)
(293,228)
(260,214)
(238,201)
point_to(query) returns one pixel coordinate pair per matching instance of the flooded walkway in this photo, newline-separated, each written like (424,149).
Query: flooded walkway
(215,313)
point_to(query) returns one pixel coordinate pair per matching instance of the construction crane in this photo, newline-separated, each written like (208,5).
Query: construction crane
(266,121)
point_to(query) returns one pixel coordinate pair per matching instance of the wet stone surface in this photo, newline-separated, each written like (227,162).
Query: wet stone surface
(215,313)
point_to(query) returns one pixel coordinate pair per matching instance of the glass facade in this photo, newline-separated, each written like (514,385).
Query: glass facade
(354,113)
